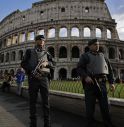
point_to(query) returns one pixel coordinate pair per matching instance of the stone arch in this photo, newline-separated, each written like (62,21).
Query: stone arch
(86,9)
(30,36)
(2,58)
(98,33)
(75,32)
(63,32)
(62,74)
(109,34)
(13,56)
(9,41)
(22,37)
(15,39)
(62,52)
(75,52)
(7,57)
(121,54)
(111,53)
(122,75)
(51,33)
(51,51)
(40,32)
(115,72)
(12,72)
(1,74)
(87,32)
(20,55)
(74,73)
(5,72)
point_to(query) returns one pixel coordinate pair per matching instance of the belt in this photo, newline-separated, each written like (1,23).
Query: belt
(101,79)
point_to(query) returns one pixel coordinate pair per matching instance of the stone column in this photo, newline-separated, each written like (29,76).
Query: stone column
(69,32)
(57,32)
(56,75)
(93,32)
(68,52)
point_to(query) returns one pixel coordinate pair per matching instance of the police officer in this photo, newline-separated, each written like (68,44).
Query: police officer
(93,69)
(38,81)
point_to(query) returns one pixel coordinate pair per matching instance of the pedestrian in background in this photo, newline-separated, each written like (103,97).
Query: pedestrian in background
(20,77)
(7,82)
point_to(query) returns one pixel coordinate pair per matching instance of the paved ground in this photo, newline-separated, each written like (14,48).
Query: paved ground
(14,113)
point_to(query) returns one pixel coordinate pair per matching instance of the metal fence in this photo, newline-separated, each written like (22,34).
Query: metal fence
(76,87)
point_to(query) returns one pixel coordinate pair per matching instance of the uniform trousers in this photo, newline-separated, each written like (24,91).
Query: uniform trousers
(93,92)
(41,86)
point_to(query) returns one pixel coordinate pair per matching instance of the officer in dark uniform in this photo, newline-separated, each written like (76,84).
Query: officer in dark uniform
(94,69)
(37,63)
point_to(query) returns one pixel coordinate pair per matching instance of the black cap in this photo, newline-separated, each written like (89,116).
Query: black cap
(39,37)
(92,41)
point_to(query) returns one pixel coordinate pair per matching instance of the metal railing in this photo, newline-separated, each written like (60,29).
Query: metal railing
(76,87)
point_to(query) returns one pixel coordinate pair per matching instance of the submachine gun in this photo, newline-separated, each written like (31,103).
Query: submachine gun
(40,70)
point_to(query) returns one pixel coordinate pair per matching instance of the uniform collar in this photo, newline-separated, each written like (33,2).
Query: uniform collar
(94,53)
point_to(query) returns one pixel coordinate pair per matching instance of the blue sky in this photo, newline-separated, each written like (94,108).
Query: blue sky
(116,8)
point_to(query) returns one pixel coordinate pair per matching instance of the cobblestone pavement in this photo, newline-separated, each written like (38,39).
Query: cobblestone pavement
(14,112)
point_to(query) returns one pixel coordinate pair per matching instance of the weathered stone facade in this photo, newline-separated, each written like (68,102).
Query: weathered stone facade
(67,26)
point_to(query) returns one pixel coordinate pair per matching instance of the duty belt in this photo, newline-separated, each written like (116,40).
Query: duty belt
(102,79)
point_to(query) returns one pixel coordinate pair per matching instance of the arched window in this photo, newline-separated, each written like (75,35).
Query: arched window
(40,32)
(108,34)
(7,57)
(75,32)
(51,51)
(51,33)
(22,37)
(5,72)
(62,9)
(9,40)
(1,74)
(30,36)
(62,74)
(1,58)
(13,56)
(74,73)
(20,55)
(121,54)
(62,52)
(122,75)
(115,73)
(111,53)
(98,33)
(86,9)
(87,32)
(63,32)
(12,72)
(75,52)
(15,39)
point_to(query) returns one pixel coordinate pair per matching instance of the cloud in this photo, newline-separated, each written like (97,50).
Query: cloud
(119,18)
(121,7)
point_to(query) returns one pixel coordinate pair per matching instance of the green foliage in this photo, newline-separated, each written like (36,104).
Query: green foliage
(67,86)
(76,87)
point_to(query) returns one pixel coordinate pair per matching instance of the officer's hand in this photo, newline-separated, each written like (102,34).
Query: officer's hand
(88,80)
(112,87)
(45,63)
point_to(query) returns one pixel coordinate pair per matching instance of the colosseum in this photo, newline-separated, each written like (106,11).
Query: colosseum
(67,26)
